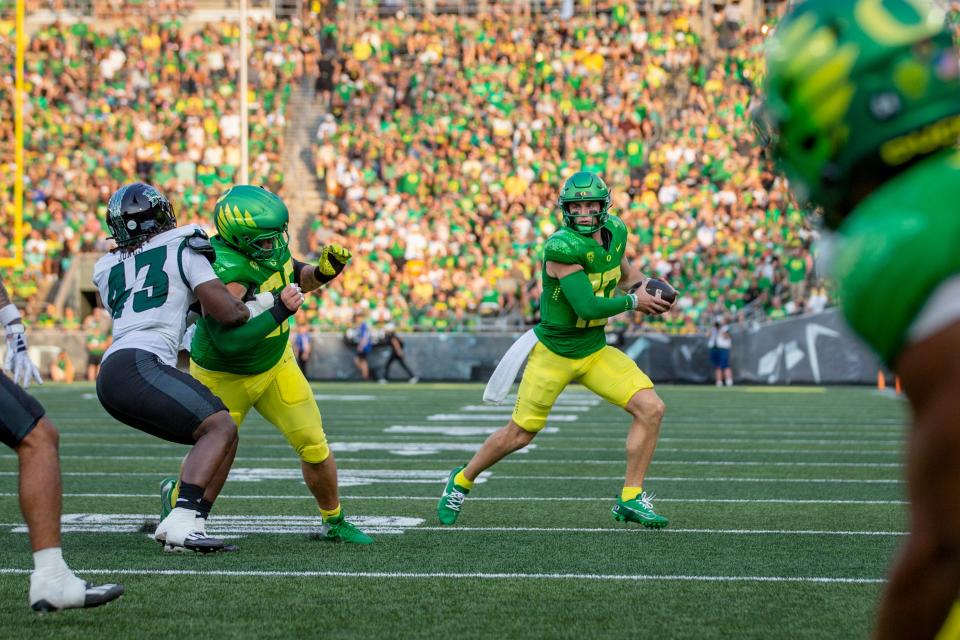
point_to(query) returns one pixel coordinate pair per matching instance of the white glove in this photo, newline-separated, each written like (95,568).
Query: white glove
(18,361)
(187,338)
(261,303)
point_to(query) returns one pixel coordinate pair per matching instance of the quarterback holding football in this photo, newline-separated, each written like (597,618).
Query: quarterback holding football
(583,265)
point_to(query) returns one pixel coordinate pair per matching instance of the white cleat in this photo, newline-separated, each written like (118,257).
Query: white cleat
(67,591)
(200,524)
(178,532)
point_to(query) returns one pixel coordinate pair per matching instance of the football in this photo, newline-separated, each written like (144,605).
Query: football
(667,292)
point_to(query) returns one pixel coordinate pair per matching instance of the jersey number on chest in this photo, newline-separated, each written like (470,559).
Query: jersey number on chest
(155,284)
(603,286)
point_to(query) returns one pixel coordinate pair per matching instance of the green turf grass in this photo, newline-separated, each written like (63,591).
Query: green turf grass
(765,490)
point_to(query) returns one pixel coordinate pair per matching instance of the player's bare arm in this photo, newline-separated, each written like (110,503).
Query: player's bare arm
(220,304)
(333,259)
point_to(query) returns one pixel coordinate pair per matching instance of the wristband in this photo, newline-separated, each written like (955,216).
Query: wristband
(9,314)
(279,311)
(321,277)
(633,301)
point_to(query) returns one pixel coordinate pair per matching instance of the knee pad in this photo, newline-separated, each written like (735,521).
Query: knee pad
(314,453)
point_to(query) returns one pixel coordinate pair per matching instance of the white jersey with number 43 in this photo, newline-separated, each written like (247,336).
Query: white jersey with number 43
(148,292)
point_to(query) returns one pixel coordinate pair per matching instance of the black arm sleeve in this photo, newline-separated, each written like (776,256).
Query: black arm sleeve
(297,268)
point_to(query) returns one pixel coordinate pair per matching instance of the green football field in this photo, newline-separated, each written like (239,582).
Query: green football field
(786,507)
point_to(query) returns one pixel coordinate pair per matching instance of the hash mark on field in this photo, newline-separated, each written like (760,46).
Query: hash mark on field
(410,448)
(479,576)
(459,431)
(561,408)
(499,417)
(345,398)
(350,477)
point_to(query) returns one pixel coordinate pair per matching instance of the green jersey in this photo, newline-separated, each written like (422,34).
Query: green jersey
(896,248)
(560,330)
(233,266)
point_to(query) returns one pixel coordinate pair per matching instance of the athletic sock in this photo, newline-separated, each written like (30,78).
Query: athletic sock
(203,509)
(461,481)
(190,496)
(49,561)
(330,513)
(630,493)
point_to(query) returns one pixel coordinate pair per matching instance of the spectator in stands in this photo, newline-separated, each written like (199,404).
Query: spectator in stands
(61,369)
(441,135)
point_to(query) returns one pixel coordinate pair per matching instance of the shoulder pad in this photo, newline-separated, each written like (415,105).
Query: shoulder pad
(231,265)
(616,224)
(561,247)
(200,243)
(618,229)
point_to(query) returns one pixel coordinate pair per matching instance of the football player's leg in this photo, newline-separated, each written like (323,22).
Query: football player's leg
(139,390)
(545,376)
(615,377)
(288,404)
(926,577)
(40,490)
(237,393)
(24,428)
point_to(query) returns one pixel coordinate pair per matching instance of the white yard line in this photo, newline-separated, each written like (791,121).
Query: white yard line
(465,575)
(306,496)
(638,530)
(94,474)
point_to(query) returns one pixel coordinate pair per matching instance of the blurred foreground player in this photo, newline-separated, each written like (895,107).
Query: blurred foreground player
(23,427)
(862,107)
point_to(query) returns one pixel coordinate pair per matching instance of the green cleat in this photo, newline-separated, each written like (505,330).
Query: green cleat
(167,496)
(452,499)
(339,530)
(639,510)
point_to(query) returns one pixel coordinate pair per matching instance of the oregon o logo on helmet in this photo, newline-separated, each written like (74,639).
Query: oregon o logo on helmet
(886,28)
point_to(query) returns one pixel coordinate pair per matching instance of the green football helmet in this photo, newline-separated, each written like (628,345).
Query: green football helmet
(855,90)
(254,222)
(585,186)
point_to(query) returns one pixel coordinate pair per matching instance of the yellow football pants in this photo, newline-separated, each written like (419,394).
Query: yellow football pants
(281,395)
(609,373)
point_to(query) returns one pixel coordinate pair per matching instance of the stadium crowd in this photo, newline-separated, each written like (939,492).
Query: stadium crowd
(136,99)
(447,139)
(440,157)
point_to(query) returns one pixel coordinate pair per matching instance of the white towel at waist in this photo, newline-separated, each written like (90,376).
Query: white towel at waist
(506,372)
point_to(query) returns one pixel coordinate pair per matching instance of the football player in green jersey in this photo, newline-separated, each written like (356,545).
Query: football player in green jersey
(862,100)
(583,264)
(258,370)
